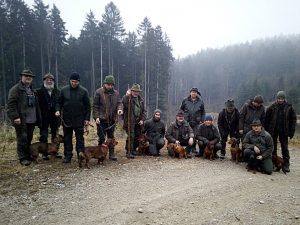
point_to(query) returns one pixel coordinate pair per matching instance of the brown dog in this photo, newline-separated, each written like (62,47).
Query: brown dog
(97,152)
(278,163)
(45,148)
(143,148)
(235,150)
(209,151)
(177,148)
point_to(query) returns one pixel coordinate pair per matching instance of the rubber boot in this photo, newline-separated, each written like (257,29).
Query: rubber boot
(112,155)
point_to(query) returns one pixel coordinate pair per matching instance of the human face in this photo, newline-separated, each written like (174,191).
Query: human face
(194,94)
(257,104)
(257,128)
(157,116)
(27,80)
(108,86)
(135,93)
(180,118)
(208,123)
(49,83)
(280,100)
(230,109)
(74,83)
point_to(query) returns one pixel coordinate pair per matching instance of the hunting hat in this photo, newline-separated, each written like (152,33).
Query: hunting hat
(256,122)
(48,75)
(136,87)
(109,79)
(229,103)
(208,117)
(75,76)
(195,89)
(180,113)
(258,99)
(27,73)
(280,94)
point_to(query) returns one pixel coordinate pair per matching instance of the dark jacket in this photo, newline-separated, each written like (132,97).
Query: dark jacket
(207,133)
(47,103)
(289,120)
(106,105)
(17,104)
(194,111)
(128,105)
(74,103)
(228,122)
(154,129)
(180,133)
(263,141)
(248,113)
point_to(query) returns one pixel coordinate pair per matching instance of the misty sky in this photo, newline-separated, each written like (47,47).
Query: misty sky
(193,25)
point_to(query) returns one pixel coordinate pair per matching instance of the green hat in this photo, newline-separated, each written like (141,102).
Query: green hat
(258,99)
(280,94)
(256,122)
(109,79)
(48,75)
(136,87)
(27,73)
(229,103)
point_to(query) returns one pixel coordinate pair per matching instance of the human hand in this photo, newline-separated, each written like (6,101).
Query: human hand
(86,123)
(259,157)
(141,122)
(97,121)
(241,131)
(128,92)
(177,142)
(17,121)
(191,141)
(57,113)
(120,112)
(256,149)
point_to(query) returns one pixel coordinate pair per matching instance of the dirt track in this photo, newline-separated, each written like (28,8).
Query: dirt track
(150,190)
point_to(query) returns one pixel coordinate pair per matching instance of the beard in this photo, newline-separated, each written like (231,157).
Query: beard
(49,87)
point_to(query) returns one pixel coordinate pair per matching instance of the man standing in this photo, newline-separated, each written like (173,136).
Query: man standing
(228,124)
(48,96)
(258,148)
(24,112)
(75,107)
(180,132)
(134,117)
(281,122)
(250,111)
(194,112)
(106,106)
(155,132)
(207,133)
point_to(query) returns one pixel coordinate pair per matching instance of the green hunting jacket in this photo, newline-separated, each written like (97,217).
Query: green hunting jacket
(179,132)
(263,141)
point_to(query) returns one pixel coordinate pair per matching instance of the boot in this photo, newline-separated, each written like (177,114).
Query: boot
(112,155)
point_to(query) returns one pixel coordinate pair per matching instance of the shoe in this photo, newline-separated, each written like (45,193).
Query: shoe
(130,156)
(199,155)
(188,155)
(113,158)
(286,169)
(222,157)
(134,152)
(67,160)
(58,156)
(45,157)
(25,162)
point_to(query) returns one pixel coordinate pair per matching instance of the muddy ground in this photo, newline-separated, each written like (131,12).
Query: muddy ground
(147,190)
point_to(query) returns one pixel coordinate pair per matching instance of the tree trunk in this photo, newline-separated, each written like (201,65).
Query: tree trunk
(3,75)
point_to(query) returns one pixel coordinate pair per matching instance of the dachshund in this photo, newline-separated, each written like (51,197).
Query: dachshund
(45,148)
(178,150)
(209,151)
(278,163)
(97,152)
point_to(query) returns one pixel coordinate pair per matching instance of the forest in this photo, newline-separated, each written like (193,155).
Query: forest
(35,37)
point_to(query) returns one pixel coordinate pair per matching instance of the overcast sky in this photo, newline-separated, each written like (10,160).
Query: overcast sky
(193,25)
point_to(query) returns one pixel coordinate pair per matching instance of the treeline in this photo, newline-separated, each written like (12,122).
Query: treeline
(241,72)
(36,38)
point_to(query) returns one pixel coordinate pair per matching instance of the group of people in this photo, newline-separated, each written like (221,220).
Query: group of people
(257,127)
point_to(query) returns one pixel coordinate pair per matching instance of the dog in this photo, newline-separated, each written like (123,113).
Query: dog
(97,152)
(143,147)
(235,150)
(209,151)
(178,150)
(45,148)
(278,163)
